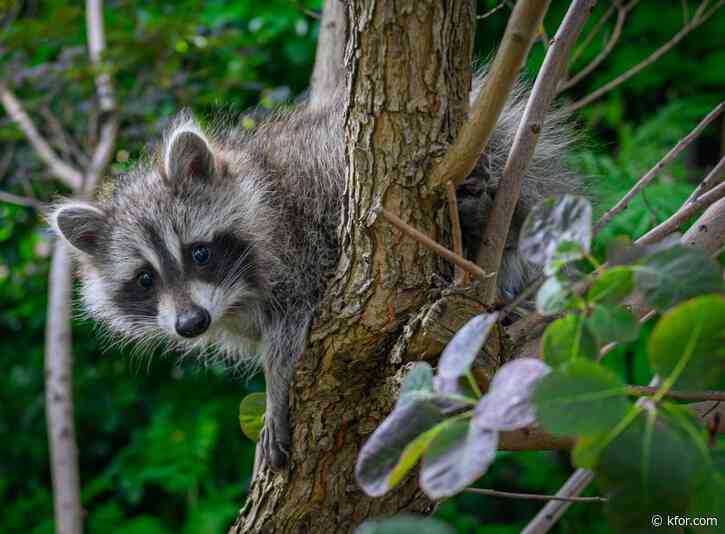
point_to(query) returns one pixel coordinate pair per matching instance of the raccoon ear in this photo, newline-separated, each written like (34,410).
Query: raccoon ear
(188,156)
(81,224)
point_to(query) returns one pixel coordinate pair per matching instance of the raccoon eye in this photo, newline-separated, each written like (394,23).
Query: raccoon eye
(200,254)
(145,279)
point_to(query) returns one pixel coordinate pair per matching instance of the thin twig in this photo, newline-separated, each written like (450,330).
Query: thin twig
(699,18)
(26,202)
(308,12)
(554,509)
(490,11)
(66,173)
(685,212)
(622,13)
(522,28)
(439,249)
(707,183)
(532,496)
(459,277)
(681,395)
(496,231)
(654,171)
(592,34)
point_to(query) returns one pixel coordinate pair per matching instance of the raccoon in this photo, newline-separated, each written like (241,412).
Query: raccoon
(221,240)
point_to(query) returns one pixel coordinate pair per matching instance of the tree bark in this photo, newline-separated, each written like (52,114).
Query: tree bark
(409,65)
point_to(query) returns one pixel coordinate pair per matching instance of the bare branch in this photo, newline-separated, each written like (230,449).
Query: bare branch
(103,150)
(550,514)
(532,496)
(654,171)
(459,277)
(26,202)
(59,397)
(496,231)
(592,34)
(708,232)
(682,395)
(491,11)
(688,210)
(66,173)
(699,18)
(622,12)
(329,72)
(308,12)
(523,26)
(439,249)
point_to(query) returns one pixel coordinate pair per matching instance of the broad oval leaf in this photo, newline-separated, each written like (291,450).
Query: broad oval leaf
(456,458)
(565,253)
(507,405)
(251,414)
(552,222)
(382,451)
(568,338)
(691,336)
(418,383)
(612,286)
(412,453)
(462,350)
(613,323)
(676,274)
(553,297)
(580,399)
(404,524)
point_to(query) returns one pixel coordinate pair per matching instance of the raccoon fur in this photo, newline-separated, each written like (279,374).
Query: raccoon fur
(221,241)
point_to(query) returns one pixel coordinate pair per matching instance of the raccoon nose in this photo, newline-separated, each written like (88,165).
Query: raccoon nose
(192,322)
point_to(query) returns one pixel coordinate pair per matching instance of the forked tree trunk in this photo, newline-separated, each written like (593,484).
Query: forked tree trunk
(409,70)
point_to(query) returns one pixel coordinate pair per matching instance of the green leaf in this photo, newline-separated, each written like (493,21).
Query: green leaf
(458,456)
(404,524)
(412,453)
(383,450)
(552,222)
(613,323)
(565,253)
(418,383)
(688,343)
(612,286)
(566,339)
(580,399)
(676,274)
(251,414)
(553,297)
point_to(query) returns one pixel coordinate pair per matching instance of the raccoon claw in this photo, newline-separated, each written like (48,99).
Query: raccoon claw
(275,442)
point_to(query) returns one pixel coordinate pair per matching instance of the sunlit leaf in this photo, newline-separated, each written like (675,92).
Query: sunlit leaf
(383,449)
(579,399)
(251,414)
(554,296)
(552,222)
(507,405)
(458,456)
(566,339)
(689,340)
(413,452)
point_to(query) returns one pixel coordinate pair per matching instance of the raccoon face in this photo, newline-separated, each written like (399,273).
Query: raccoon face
(174,254)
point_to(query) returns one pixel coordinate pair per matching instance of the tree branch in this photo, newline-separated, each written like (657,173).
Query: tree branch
(328,74)
(523,26)
(622,13)
(26,202)
(496,231)
(592,34)
(59,396)
(550,514)
(436,247)
(681,395)
(459,277)
(532,496)
(688,209)
(654,171)
(66,173)
(699,18)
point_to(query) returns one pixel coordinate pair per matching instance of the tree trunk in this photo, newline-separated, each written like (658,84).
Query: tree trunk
(409,71)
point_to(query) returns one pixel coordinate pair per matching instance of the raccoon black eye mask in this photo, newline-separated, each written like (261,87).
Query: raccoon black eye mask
(221,243)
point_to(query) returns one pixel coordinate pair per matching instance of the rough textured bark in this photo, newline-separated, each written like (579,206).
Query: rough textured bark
(409,71)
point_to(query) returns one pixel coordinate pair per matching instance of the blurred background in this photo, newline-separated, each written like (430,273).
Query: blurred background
(160,446)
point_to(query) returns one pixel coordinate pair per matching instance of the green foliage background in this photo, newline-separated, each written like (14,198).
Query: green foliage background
(160,445)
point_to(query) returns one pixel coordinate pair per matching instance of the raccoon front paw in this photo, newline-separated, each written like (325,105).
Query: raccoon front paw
(275,440)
